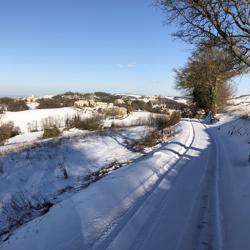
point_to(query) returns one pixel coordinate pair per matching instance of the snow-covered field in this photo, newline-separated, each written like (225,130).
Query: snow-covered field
(23,119)
(36,118)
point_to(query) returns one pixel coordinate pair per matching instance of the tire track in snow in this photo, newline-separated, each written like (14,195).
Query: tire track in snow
(216,207)
(207,207)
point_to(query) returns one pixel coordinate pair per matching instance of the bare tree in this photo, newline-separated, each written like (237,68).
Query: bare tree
(221,22)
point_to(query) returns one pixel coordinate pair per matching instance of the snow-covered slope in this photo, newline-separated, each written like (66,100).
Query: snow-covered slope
(92,214)
(40,169)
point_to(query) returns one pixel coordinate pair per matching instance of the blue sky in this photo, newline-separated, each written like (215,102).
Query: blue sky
(52,46)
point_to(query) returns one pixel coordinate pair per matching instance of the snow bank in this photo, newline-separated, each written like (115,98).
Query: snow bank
(23,138)
(232,136)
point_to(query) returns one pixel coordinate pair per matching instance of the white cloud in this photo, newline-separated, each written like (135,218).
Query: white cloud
(119,65)
(129,65)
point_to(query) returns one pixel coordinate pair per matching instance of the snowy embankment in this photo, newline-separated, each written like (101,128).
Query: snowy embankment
(232,137)
(84,220)
(39,171)
(239,105)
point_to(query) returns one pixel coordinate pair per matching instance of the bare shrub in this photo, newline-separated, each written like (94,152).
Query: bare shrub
(155,120)
(21,208)
(150,140)
(175,117)
(8,130)
(245,116)
(33,126)
(51,122)
(92,123)
(164,128)
(160,122)
(141,121)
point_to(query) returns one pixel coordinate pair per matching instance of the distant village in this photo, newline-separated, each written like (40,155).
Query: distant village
(117,105)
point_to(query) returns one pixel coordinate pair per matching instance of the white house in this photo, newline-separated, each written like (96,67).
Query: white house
(119,101)
(81,103)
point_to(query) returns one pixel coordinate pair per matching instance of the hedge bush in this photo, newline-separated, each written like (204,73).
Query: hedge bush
(51,132)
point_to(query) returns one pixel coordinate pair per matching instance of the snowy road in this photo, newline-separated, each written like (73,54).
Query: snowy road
(177,214)
(188,194)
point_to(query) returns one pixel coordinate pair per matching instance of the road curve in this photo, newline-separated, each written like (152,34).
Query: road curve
(179,213)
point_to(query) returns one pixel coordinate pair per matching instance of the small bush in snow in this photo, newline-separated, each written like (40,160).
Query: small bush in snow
(174,118)
(92,123)
(164,128)
(150,140)
(160,122)
(8,130)
(51,132)
(245,116)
